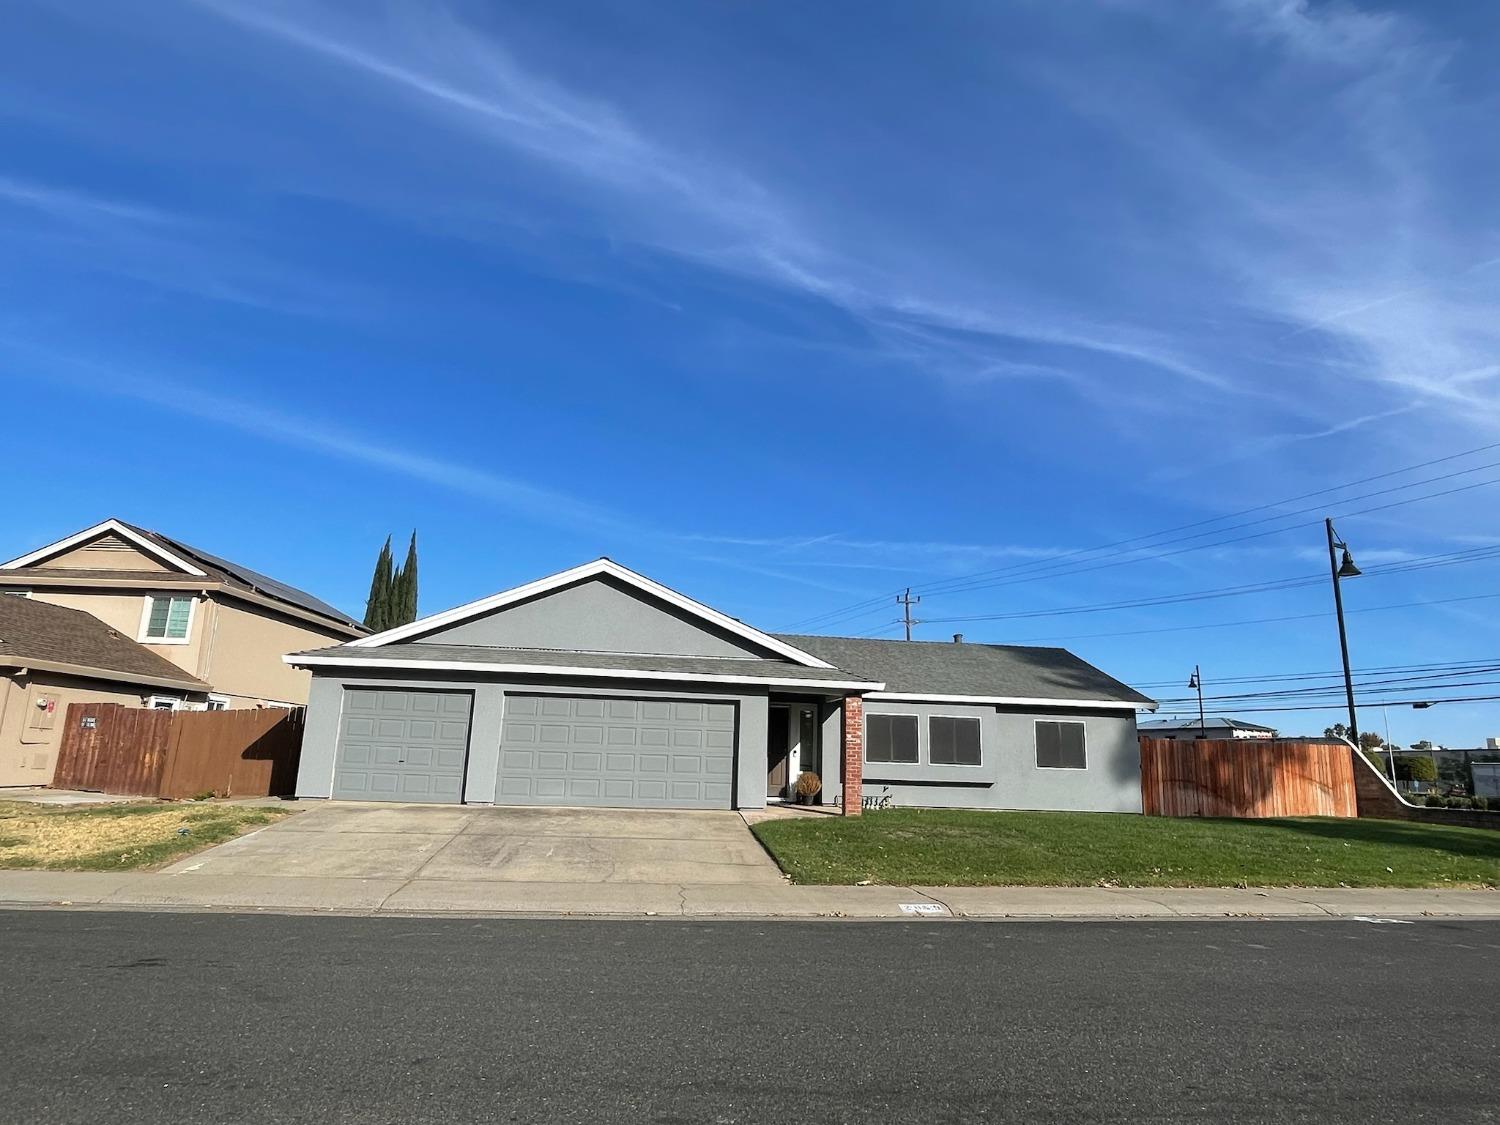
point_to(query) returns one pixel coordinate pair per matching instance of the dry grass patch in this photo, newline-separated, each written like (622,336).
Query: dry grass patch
(118,837)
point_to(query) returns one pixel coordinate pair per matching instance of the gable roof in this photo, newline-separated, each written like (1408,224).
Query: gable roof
(41,635)
(185,559)
(550,661)
(1208,720)
(597,568)
(943,670)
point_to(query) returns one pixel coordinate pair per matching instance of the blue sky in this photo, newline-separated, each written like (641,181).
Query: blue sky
(788,307)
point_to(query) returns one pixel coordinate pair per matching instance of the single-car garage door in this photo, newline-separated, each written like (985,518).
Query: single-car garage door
(402,745)
(628,753)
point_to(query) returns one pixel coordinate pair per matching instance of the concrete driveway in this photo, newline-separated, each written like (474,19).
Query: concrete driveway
(482,855)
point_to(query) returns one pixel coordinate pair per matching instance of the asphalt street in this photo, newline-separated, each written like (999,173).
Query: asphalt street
(160,1017)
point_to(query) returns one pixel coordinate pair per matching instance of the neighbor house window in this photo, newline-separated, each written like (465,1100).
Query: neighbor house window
(163,703)
(952,741)
(216,703)
(891,738)
(167,618)
(1059,746)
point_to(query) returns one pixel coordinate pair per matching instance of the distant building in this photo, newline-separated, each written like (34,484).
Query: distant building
(1213,726)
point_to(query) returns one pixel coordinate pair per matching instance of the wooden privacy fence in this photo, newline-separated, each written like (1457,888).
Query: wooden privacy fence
(1246,778)
(127,750)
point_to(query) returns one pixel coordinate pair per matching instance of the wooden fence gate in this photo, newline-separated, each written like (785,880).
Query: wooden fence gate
(1246,778)
(135,752)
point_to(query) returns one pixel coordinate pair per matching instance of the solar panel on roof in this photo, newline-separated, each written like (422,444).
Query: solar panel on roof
(264,583)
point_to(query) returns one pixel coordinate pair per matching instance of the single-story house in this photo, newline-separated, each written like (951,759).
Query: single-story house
(51,656)
(218,621)
(598,686)
(1212,726)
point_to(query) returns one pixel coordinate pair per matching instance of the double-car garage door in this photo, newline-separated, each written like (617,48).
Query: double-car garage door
(554,750)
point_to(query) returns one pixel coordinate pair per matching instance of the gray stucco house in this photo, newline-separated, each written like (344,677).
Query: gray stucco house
(598,686)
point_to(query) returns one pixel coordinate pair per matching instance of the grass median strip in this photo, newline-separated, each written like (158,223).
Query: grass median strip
(941,847)
(119,837)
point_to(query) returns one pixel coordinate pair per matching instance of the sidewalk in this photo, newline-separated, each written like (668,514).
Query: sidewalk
(331,895)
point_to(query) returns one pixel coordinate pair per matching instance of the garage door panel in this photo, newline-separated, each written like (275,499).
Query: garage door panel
(402,745)
(651,753)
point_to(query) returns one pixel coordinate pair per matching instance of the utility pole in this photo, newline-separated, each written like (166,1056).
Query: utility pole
(1346,570)
(906,601)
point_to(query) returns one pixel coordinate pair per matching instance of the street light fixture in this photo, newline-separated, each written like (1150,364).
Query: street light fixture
(1195,681)
(1341,570)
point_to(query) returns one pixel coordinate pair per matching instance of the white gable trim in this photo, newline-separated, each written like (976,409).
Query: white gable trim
(1009,701)
(591,570)
(94,532)
(333,661)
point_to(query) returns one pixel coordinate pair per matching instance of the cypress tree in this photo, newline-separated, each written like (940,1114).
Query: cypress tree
(404,599)
(378,607)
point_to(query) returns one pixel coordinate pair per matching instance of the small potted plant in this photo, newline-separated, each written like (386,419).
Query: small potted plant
(808,786)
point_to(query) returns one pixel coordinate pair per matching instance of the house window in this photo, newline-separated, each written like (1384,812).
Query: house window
(163,703)
(953,741)
(216,703)
(167,618)
(1059,746)
(891,738)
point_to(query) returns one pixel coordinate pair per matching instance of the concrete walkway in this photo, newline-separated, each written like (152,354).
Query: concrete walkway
(349,858)
(398,896)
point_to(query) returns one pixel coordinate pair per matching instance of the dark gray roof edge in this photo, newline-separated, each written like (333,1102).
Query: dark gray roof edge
(260,583)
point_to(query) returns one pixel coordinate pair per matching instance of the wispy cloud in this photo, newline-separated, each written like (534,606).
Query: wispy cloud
(326,438)
(166,250)
(705,210)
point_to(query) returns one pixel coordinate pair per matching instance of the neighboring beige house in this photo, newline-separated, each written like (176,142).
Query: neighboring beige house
(51,656)
(220,623)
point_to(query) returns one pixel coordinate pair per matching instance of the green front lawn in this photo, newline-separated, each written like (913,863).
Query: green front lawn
(118,837)
(930,847)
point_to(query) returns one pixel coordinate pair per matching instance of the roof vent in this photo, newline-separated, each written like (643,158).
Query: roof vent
(958,638)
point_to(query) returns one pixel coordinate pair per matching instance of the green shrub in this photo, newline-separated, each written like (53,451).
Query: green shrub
(1415,767)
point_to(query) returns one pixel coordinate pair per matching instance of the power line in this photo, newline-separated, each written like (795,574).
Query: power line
(1273,585)
(1106,565)
(1256,620)
(1244,699)
(1427,700)
(1279,677)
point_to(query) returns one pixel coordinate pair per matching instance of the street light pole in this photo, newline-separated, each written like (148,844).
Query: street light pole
(1196,681)
(1347,570)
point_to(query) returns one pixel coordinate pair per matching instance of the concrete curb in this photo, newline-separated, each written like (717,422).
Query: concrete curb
(185,890)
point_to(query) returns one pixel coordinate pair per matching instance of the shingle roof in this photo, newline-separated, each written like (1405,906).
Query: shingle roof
(229,574)
(36,631)
(747,670)
(1208,720)
(234,575)
(945,668)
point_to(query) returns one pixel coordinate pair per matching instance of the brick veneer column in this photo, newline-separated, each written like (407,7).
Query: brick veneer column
(854,754)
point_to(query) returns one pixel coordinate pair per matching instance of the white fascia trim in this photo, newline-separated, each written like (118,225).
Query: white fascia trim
(568,670)
(1008,701)
(101,529)
(578,573)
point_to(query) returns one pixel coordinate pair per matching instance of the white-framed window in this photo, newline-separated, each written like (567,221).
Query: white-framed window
(15,592)
(163,703)
(167,619)
(1060,745)
(891,738)
(953,740)
(217,703)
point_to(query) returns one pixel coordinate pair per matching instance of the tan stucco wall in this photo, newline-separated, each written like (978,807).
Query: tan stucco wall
(28,756)
(233,646)
(122,613)
(84,557)
(247,645)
